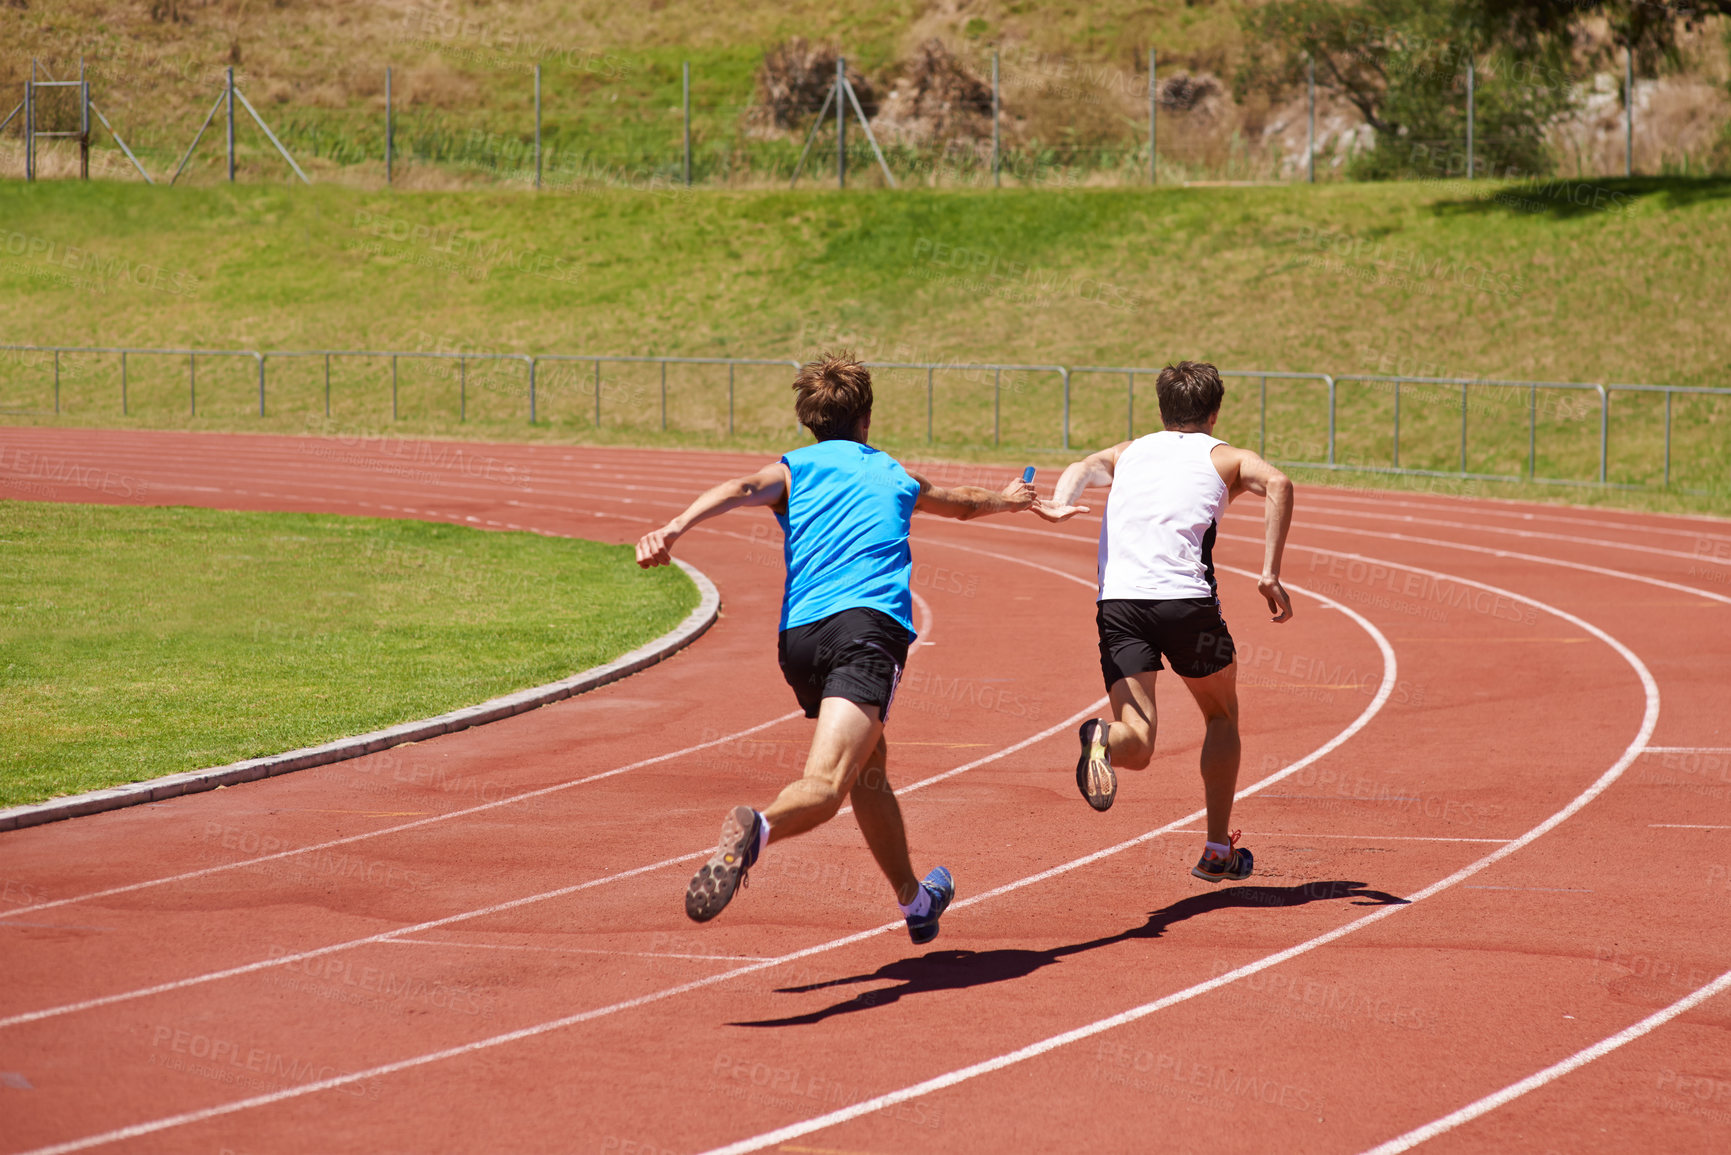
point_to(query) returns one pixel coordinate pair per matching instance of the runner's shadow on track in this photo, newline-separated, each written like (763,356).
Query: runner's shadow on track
(945,970)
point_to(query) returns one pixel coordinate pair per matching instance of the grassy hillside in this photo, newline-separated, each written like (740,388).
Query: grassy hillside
(1493,281)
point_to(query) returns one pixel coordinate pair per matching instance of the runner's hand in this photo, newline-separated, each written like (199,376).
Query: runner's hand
(1019,494)
(1056,513)
(1279,604)
(656,548)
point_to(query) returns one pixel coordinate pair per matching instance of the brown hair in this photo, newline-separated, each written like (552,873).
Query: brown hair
(1189,392)
(834,392)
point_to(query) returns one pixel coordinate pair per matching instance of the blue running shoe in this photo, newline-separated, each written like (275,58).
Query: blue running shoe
(1235,867)
(713,885)
(942,888)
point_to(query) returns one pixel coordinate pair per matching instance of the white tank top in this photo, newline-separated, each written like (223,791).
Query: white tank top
(1157,538)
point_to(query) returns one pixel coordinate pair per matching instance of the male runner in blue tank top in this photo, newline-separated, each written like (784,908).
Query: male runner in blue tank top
(1158,594)
(846,624)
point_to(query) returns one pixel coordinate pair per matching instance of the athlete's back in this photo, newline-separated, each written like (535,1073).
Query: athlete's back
(1157,536)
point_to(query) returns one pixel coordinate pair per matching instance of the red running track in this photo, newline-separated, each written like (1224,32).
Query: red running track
(1463,758)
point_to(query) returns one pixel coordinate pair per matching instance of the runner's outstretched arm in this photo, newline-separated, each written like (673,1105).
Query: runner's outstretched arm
(1092,471)
(767,486)
(1246,472)
(965,502)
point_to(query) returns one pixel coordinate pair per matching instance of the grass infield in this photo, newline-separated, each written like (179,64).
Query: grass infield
(137,642)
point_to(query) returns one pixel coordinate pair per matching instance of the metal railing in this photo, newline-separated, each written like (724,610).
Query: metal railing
(1066,375)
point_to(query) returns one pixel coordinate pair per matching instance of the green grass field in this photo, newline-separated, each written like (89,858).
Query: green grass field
(136,642)
(1452,280)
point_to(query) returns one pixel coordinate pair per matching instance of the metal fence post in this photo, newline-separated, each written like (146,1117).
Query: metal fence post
(1463,428)
(532,381)
(840,123)
(1262,438)
(687,69)
(260,357)
(231,126)
(1153,138)
(1396,462)
(997,166)
(462,388)
(1470,78)
(1129,406)
(388,139)
(537,139)
(597,392)
(1604,429)
(393,386)
(664,397)
(1310,138)
(1667,437)
(123,412)
(1532,431)
(56,381)
(730,400)
(1066,373)
(997,377)
(192,382)
(1629,111)
(1330,420)
(327,384)
(928,405)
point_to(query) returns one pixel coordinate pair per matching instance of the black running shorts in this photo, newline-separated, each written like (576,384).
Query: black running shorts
(1189,631)
(856,654)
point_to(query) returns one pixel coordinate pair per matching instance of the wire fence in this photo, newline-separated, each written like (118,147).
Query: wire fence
(531,115)
(1551,432)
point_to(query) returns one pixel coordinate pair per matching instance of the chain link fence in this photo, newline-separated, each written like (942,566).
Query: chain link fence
(1551,432)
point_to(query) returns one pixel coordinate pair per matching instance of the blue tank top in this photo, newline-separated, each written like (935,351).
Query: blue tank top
(846,531)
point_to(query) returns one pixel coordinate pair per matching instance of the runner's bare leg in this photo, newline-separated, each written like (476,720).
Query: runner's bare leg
(880,820)
(1217,695)
(1130,739)
(847,733)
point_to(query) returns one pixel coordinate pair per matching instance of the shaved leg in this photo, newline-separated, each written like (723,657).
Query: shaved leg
(1130,740)
(880,820)
(1217,695)
(847,734)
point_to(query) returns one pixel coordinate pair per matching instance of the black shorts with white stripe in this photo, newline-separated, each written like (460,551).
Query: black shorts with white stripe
(857,654)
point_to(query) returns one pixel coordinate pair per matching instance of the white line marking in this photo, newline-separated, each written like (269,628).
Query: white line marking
(1510,531)
(1356,837)
(1682,826)
(1551,889)
(1390,669)
(1650,719)
(1687,750)
(1556,1071)
(579,950)
(236,865)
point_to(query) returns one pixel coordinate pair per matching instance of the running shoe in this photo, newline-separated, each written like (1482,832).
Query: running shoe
(713,885)
(942,888)
(1235,867)
(1094,777)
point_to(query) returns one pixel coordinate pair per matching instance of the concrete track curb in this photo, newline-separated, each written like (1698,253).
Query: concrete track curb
(156,789)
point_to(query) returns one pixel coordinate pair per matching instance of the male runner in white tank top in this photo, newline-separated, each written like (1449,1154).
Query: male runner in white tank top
(1157,591)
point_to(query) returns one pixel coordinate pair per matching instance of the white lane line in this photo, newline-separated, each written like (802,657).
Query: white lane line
(1556,1071)
(1509,531)
(495,908)
(1390,669)
(1682,826)
(1687,750)
(1485,505)
(924,620)
(1547,889)
(244,862)
(1649,720)
(578,950)
(1410,539)
(1497,553)
(1356,837)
